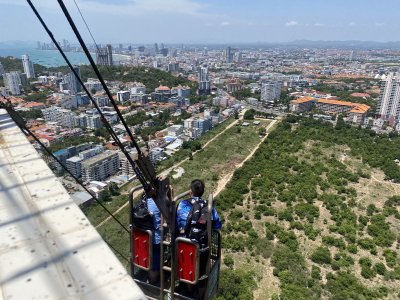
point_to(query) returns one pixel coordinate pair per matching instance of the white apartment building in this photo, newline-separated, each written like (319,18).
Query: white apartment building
(123,96)
(126,167)
(388,108)
(63,117)
(138,88)
(28,66)
(12,82)
(101,166)
(175,130)
(102,101)
(93,122)
(93,85)
(271,91)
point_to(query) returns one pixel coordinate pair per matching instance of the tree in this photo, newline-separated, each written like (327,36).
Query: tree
(236,115)
(113,189)
(249,114)
(262,131)
(105,196)
(102,132)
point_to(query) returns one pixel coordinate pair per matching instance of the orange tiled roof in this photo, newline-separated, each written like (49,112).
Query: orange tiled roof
(336,102)
(163,88)
(303,99)
(361,108)
(356,107)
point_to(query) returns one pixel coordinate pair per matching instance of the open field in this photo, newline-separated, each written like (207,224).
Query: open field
(308,218)
(96,214)
(219,157)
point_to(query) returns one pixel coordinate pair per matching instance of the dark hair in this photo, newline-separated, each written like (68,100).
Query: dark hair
(197,188)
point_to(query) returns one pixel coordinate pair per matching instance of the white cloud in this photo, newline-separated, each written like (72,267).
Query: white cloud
(130,7)
(319,25)
(352,24)
(140,7)
(379,24)
(291,24)
(225,23)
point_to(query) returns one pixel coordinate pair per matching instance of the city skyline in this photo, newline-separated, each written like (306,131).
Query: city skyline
(207,21)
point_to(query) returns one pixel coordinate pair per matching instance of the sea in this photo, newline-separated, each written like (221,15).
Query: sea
(52,58)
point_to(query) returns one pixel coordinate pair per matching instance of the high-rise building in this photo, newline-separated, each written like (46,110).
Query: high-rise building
(156,48)
(66,46)
(101,166)
(388,108)
(1,70)
(104,56)
(228,55)
(204,81)
(28,66)
(74,85)
(271,91)
(353,55)
(12,81)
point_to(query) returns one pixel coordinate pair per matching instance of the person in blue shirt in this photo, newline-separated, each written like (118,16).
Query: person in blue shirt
(154,273)
(183,209)
(196,192)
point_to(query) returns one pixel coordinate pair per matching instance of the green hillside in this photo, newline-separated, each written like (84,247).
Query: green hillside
(313,215)
(150,77)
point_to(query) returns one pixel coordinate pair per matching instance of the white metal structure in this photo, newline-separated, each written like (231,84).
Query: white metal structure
(48,248)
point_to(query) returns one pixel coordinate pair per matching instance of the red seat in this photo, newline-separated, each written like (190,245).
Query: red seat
(142,248)
(187,257)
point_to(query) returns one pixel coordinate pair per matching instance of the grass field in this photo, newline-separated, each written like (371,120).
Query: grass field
(219,158)
(96,213)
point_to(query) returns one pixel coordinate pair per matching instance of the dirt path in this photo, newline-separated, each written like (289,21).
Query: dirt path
(227,177)
(167,171)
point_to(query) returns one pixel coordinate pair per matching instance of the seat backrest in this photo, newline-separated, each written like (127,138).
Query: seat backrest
(142,248)
(187,259)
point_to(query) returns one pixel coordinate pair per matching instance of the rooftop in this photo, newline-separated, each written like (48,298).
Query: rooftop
(303,100)
(106,154)
(357,107)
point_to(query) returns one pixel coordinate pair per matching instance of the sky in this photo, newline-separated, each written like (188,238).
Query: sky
(206,21)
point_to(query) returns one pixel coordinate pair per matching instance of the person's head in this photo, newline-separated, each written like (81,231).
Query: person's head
(197,188)
(148,190)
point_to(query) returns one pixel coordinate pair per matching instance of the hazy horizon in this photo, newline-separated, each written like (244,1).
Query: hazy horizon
(206,21)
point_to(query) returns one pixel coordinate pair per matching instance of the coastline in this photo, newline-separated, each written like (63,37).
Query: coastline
(52,58)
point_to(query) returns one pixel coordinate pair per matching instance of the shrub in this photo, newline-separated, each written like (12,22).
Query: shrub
(380,268)
(321,255)
(316,272)
(390,257)
(228,261)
